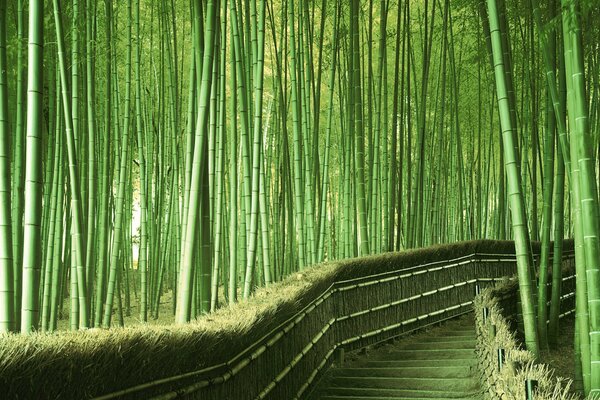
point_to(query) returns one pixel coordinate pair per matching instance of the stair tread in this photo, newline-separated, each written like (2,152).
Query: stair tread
(437,364)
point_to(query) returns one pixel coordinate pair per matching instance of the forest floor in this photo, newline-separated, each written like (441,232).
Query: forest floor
(131,314)
(562,358)
(165,314)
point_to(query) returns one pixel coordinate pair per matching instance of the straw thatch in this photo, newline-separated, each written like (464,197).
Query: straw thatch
(96,362)
(501,316)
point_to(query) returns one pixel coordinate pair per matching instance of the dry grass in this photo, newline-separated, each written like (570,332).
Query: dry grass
(86,364)
(520,364)
(99,361)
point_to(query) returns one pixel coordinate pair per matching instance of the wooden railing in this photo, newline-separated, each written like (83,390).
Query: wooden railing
(349,314)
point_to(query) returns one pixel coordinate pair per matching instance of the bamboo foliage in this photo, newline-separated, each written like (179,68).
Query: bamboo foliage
(172,159)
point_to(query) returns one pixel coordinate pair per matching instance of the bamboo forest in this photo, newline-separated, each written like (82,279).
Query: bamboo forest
(299,199)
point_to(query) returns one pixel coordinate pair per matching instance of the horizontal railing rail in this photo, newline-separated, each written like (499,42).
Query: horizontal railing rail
(367,309)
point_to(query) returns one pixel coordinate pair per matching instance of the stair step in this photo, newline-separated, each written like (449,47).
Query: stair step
(352,392)
(433,365)
(391,398)
(455,362)
(452,384)
(441,345)
(454,338)
(457,332)
(406,372)
(427,354)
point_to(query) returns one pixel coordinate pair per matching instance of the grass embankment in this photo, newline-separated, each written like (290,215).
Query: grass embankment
(86,364)
(497,331)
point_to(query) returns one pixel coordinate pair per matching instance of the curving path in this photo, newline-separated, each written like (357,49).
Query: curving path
(436,364)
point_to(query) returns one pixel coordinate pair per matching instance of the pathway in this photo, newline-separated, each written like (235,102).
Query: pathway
(437,364)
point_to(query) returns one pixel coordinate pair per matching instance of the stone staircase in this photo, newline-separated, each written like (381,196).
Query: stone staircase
(436,364)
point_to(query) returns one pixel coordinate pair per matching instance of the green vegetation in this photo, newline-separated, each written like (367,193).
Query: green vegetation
(199,150)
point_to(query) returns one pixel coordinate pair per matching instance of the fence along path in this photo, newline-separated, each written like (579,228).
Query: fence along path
(436,364)
(362,302)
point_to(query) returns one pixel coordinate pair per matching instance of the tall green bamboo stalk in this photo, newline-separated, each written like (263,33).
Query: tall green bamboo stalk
(7,314)
(33,171)
(515,195)
(359,134)
(18,169)
(582,155)
(184,300)
(77,232)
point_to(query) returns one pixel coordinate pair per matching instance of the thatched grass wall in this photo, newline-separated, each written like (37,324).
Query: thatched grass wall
(498,325)
(272,346)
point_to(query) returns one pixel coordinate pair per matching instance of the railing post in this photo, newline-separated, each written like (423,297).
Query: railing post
(339,356)
(530,386)
(501,358)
